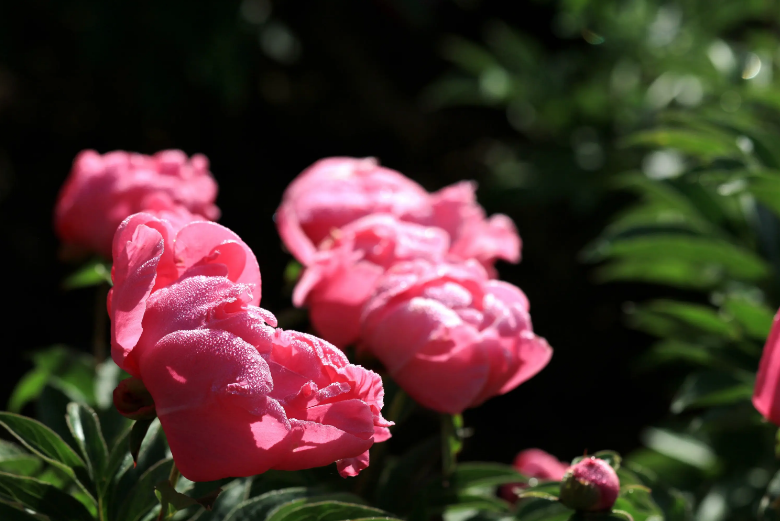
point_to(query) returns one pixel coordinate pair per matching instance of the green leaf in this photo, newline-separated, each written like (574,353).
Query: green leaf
(671,272)
(698,316)
(403,477)
(718,256)
(9,513)
(173,500)
(680,447)
(107,377)
(706,389)
(44,498)
(537,495)
(153,450)
(232,495)
(536,509)
(765,187)
(675,351)
(93,273)
(30,386)
(258,507)
(137,435)
(141,498)
(754,318)
(467,475)
(324,511)
(119,457)
(85,428)
(703,145)
(468,56)
(45,443)
(15,460)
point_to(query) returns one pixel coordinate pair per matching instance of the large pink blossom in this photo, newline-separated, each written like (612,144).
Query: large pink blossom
(336,191)
(449,335)
(102,190)
(344,270)
(766,395)
(234,395)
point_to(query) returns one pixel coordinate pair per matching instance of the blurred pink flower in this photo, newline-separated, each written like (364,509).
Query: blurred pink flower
(102,190)
(336,191)
(534,463)
(473,236)
(450,336)
(766,395)
(343,272)
(234,395)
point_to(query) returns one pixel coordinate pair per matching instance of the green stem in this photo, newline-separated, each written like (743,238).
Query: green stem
(173,479)
(451,442)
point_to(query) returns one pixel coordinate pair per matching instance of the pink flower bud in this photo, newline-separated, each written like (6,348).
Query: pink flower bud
(590,485)
(133,400)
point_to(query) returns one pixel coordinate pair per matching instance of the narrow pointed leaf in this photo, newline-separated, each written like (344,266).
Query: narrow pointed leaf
(9,513)
(85,428)
(141,498)
(45,443)
(137,435)
(44,498)
(325,511)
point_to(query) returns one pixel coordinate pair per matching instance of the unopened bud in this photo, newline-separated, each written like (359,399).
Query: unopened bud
(590,485)
(132,400)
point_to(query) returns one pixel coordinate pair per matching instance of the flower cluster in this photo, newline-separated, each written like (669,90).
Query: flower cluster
(235,395)
(408,276)
(101,191)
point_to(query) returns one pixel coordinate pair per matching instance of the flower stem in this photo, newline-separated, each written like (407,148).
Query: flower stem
(173,479)
(451,442)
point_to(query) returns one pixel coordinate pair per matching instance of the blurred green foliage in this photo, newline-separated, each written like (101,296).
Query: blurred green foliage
(677,104)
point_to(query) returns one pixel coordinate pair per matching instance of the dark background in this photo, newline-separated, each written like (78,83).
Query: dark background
(266,88)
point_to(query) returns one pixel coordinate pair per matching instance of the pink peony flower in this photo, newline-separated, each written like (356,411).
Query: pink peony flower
(766,395)
(343,272)
(473,236)
(450,336)
(534,463)
(101,191)
(234,395)
(590,485)
(336,191)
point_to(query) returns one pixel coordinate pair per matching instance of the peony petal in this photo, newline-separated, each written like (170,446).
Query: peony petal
(211,393)
(351,467)
(766,398)
(210,242)
(317,445)
(137,254)
(534,354)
